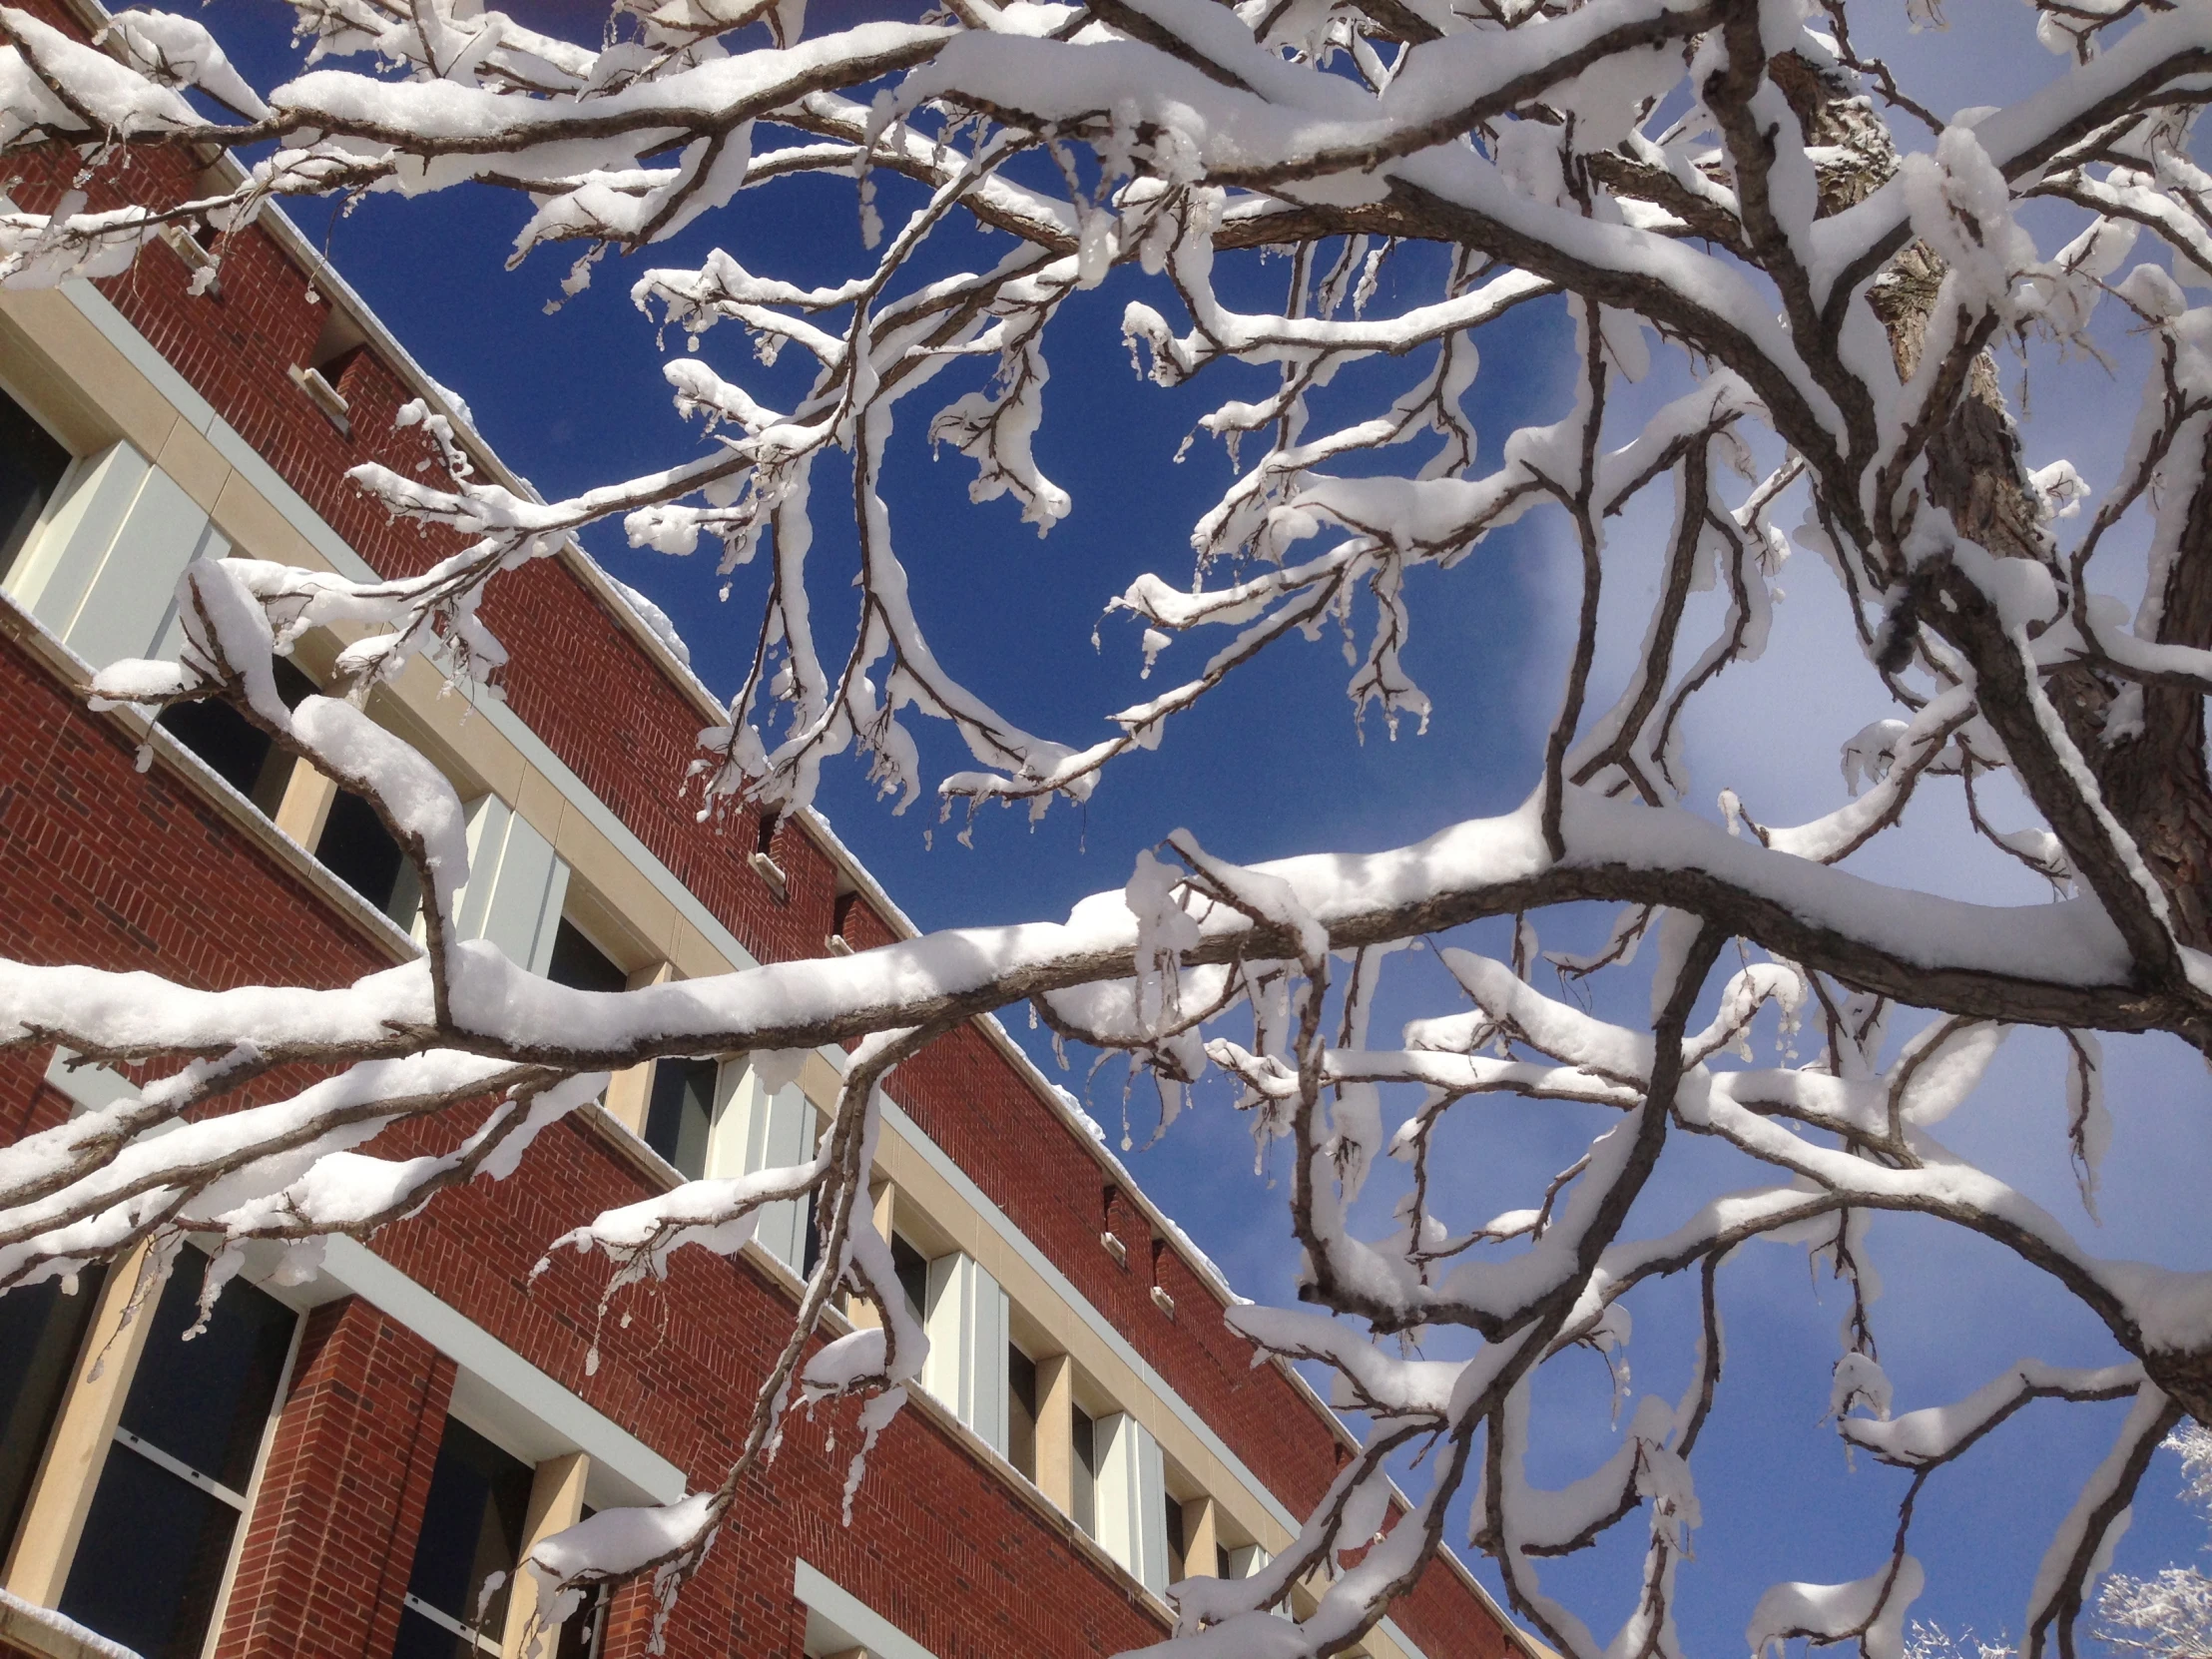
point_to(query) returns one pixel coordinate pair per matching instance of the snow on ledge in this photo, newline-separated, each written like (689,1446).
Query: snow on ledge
(44,1631)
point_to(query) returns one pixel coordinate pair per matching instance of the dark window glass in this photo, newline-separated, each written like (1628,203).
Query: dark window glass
(239,752)
(42,1328)
(357,848)
(682,1112)
(150,1561)
(1021,1412)
(472,1528)
(206,1402)
(581,965)
(586,1631)
(1221,1561)
(31,465)
(810,1236)
(1175,1540)
(913,1274)
(150,1565)
(1086,1473)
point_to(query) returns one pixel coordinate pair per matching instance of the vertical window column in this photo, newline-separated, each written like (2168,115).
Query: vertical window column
(756,1129)
(966,1317)
(42,1343)
(102,571)
(556,1504)
(1056,1432)
(1201,1539)
(324,1565)
(78,1443)
(516,885)
(1132,1499)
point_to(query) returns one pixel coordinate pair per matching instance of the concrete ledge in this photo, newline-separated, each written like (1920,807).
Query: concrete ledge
(41,1633)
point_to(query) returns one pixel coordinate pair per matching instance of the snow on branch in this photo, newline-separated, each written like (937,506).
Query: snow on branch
(1779,322)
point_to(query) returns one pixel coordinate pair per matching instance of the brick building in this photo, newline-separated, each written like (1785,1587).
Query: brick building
(334,1467)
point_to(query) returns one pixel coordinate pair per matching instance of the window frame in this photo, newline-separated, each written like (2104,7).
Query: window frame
(242,1501)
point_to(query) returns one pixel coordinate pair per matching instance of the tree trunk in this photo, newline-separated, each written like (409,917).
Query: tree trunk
(2154,780)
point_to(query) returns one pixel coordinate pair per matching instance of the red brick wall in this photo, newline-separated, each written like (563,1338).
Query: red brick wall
(331,1541)
(105,865)
(939,1544)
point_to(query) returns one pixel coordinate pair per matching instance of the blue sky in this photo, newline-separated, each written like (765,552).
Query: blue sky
(1273,765)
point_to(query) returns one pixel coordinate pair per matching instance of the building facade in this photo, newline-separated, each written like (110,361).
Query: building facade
(338,1462)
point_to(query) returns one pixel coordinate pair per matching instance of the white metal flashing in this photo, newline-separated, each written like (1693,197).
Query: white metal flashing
(855,1618)
(506,1373)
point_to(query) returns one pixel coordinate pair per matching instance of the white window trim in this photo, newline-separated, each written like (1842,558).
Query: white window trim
(181,1469)
(642,1474)
(822,1594)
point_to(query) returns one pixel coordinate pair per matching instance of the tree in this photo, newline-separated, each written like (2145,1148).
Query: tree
(1724,186)
(2171,1614)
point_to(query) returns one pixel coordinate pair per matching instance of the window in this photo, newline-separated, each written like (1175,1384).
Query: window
(472,1528)
(585,1634)
(241,752)
(681,1115)
(1243,1561)
(810,1236)
(1021,1412)
(42,1328)
(840,916)
(150,1565)
(913,1274)
(1086,1471)
(31,468)
(581,965)
(357,848)
(1176,1570)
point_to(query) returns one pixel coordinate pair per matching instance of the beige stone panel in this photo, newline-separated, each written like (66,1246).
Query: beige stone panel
(688,948)
(820,1082)
(74,379)
(472,749)
(926,1196)
(257,530)
(542,805)
(1201,1539)
(196,464)
(883,1210)
(630,1092)
(60,1495)
(1056,1432)
(556,1502)
(306,807)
